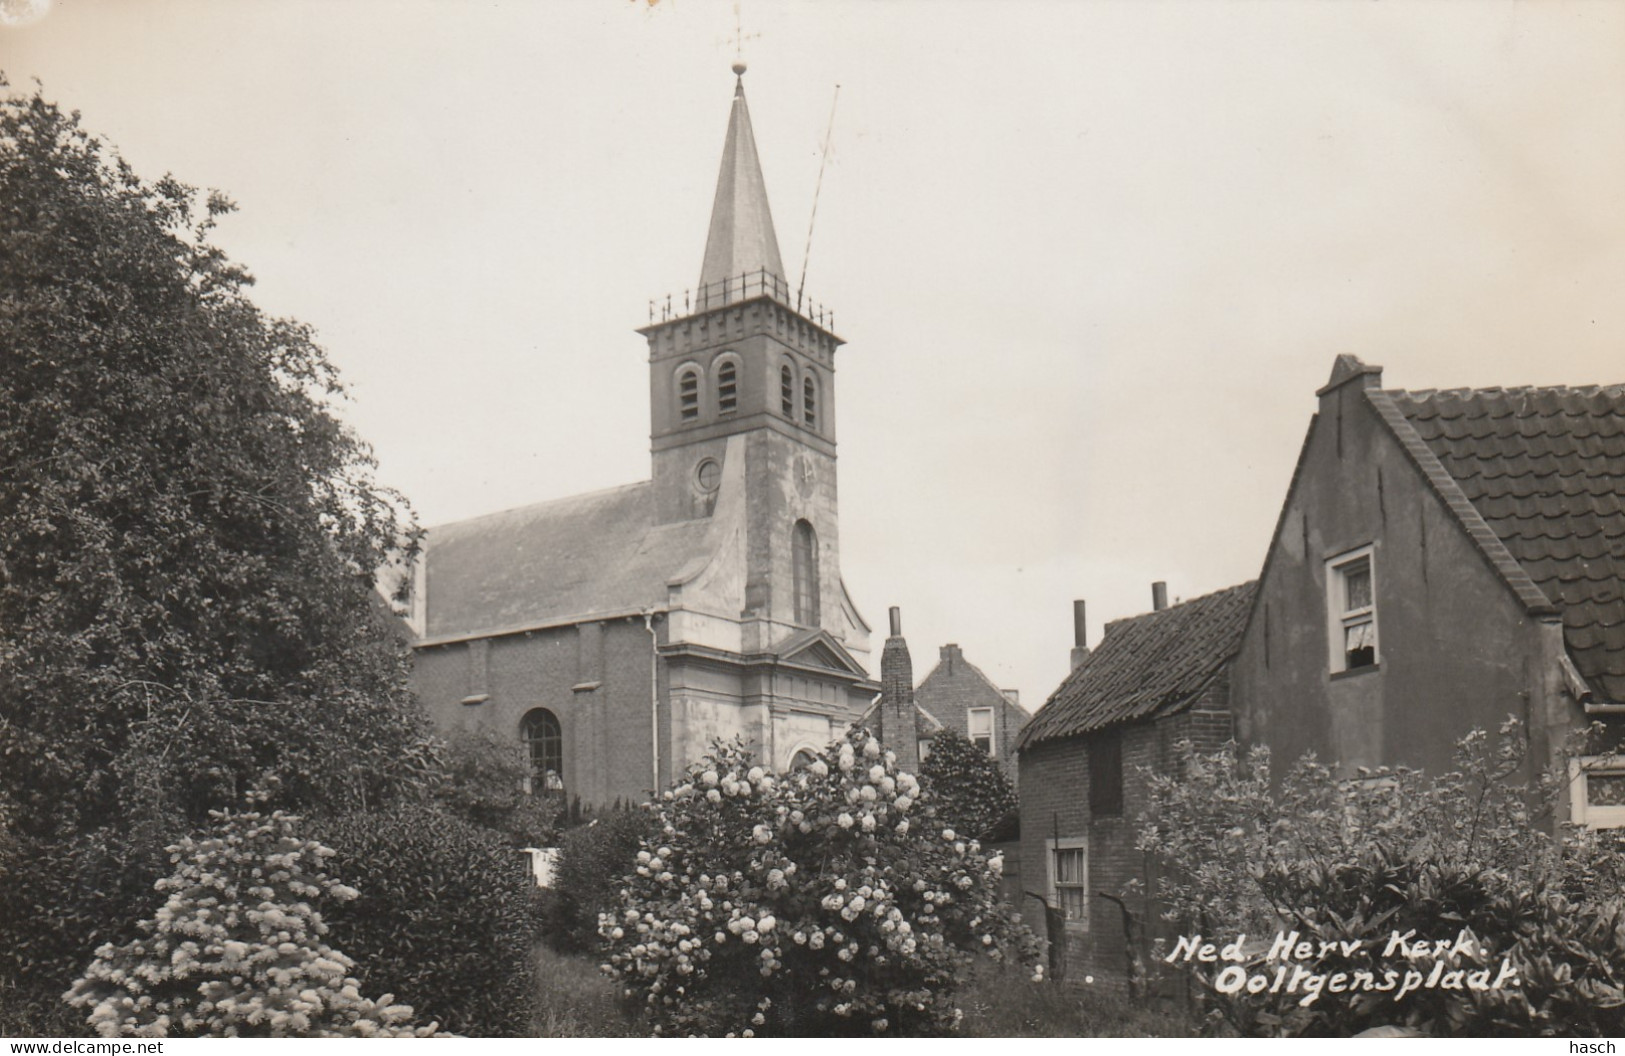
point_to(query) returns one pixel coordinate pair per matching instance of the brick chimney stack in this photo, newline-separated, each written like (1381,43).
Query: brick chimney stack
(1159,596)
(1080,634)
(897,727)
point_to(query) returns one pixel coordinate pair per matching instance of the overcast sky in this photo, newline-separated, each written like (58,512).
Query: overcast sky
(1091,259)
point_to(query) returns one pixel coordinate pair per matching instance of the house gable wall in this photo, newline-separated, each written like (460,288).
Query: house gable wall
(1455,647)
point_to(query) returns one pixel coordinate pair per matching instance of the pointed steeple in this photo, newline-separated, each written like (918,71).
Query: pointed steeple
(741,239)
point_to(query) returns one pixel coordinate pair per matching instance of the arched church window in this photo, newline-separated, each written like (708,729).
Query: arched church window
(787,392)
(544,747)
(809,402)
(688,394)
(801,760)
(804,563)
(727,387)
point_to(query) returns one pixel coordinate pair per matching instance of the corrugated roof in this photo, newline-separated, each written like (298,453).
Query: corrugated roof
(555,562)
(1545,469)
(1146,667)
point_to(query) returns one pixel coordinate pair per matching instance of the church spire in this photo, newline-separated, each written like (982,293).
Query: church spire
(741,240)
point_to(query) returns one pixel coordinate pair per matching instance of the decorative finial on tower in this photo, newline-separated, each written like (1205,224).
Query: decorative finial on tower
(739,68)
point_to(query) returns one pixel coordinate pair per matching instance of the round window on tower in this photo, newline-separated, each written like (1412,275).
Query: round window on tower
(708,475)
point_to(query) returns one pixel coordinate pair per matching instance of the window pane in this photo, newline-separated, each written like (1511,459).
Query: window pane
(1357,586)
(1072,900)
(1605,790)
(980,722)
(1069,866)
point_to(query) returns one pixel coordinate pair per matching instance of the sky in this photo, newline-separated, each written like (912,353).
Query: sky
(1091,260)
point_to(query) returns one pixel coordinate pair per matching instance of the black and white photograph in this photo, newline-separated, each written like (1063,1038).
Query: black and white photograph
(811,518)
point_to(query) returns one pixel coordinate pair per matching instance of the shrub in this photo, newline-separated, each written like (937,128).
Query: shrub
(818,902)
(237,948)
(968,787)
(442,919)
(594,861)
(1394,850)
(61,899)
(482,780)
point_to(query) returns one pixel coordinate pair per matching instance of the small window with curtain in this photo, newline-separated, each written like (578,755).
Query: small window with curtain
(688,395)
(1352,610)
(727,387)
(979,727)
(1069,880)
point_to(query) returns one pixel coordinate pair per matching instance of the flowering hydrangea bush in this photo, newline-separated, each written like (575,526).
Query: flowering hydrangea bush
(237,950)
(823,901)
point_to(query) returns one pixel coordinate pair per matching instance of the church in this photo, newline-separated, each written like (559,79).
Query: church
(613,635)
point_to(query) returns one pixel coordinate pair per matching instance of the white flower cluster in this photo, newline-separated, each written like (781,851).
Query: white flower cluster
(236,949)
(835,869)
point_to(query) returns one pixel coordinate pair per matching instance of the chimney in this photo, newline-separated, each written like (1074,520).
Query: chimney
(1159,596)
(948,654)
(1080,634)
(897,729)
(1012,695)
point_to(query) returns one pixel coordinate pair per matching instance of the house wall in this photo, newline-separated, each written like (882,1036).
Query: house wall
(1455,649)
(1055,804)
(593,676)
(954,687)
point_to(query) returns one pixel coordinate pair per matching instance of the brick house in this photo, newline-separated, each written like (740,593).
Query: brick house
(612,635)
(965,701)
(1155,680)
(1445,559)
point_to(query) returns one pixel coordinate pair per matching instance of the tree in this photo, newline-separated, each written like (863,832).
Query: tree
(189,539)
(970,788)
(188,535)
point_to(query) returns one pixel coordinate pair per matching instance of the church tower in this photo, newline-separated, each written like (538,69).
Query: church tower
(742,397)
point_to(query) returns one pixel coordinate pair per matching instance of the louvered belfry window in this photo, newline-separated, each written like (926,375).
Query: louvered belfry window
(688,394)
(727,388)
(787,391)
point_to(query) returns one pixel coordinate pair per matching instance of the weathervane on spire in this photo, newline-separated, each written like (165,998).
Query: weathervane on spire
(738,40)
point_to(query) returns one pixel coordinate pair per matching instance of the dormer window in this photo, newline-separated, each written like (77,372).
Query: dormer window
(688,395)
(787,392)
(1352,610)
(809,402)
(727,387)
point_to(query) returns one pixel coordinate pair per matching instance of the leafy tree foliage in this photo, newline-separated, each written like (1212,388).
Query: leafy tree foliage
(827,901)
(188,542)
(968,786)
(188,535)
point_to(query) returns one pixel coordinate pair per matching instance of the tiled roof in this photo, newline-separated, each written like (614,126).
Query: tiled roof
(1545,469)
(1146,667)
(555,562)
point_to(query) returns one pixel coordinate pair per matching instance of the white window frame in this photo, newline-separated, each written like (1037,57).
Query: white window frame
(1580,808)
(1052,848)
(1340,618)
(992,729)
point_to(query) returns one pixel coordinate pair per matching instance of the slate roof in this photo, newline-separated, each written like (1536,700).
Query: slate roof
(1146,667)
(592,555)
(1545,469)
